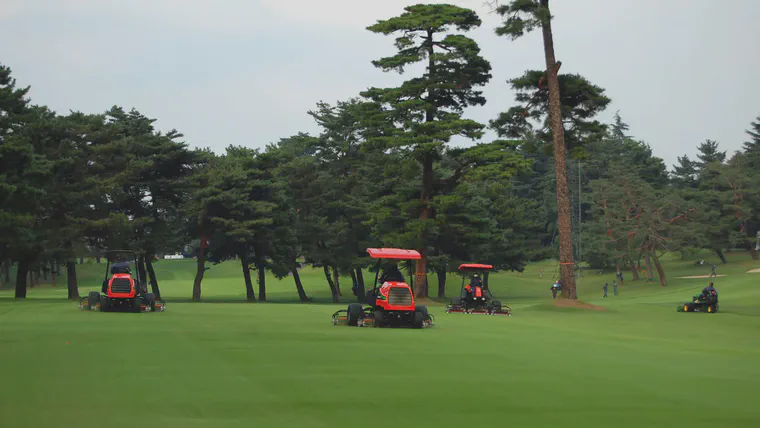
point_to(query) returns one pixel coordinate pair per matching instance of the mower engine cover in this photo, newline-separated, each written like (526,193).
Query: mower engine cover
(395,296)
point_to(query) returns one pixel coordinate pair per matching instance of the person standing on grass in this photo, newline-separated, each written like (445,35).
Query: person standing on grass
(615,287)
(605,290)
(713,274)
(620,277)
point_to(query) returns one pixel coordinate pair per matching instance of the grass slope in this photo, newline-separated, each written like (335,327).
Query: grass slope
(640,363)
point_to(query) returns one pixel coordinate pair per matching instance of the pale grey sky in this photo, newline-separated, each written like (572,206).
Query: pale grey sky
(245,72)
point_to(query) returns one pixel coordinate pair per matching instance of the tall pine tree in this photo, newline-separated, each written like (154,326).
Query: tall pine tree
(427,109)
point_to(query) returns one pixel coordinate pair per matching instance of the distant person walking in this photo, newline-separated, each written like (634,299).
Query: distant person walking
(713,274)
(605,289)
(620,277)
(541,272)
(615,287)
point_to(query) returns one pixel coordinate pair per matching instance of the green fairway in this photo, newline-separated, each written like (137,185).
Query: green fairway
(637,364)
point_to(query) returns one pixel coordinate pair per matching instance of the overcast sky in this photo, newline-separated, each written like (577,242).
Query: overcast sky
(245,72)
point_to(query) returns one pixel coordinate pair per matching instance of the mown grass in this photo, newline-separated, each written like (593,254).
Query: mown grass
(282,364)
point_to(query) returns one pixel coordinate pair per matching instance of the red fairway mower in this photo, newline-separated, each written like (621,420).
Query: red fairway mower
(474,298)
(122,292)
(390,304)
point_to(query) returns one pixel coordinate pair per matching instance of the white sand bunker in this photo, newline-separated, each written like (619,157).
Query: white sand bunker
(699,276)
(754,271)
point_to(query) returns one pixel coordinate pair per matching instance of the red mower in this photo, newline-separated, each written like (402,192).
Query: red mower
(474,297)
(391,301)
(121,292)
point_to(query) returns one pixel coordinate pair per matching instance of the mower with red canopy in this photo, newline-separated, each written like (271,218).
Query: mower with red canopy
(475,298)
(391,301)
(122,291)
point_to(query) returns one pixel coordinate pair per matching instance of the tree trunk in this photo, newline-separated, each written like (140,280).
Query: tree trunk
(299,285)
(721,256)
(660,272)
(249,293)
(152,275)
(634,271)
(22,269)
(199,271)
(441,271)
(53,274)
(141,270)
(7,271)
(336,278)
(648,260)
(360,294)
(752,250)
(262,273)
(97,259)
(333,290)
(81,260)
(421,286)
(71,280)
(30,276)
(558,141)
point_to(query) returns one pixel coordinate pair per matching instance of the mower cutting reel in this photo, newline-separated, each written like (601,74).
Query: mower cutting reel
(122,292)
(474,298)
(391,302)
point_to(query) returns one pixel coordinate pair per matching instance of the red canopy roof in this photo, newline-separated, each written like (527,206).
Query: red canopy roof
(393,253)
(475,266)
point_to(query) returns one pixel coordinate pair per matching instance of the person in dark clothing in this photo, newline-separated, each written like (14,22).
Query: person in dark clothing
(615,287)
(476,282)
(605,289)
(713,274)
(391,273)
(120,267)
(710,293)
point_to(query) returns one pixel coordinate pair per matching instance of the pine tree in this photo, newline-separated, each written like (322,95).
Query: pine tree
(427,110)
(523,16)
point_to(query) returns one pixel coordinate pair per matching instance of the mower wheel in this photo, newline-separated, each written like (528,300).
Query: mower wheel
(456,301)
(420,316)
(355,312)
(103,304)
(496,305)
(378,317)
(150,302)
(137,304)
(93,299)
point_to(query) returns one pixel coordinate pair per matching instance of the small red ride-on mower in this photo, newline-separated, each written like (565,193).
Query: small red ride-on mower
(475,298)
(391,301)
(121,292)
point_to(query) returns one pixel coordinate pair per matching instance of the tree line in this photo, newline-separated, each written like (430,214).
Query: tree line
(380,172)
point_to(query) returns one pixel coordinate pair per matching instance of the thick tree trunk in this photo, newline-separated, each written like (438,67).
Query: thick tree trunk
(660,272)
(44,268)
(199,271)
(648,260)
(249,294)
(336,278)
(7,271)
(360,294)
(22,269)
(71,280)
(152,275)
(141,270)
(299,285)
(421,286)
(634,271)
(97,259)
(721,256)
(441,271)
(752,250)
(53,274)
(262,274)
(333,290)
(81,260)
(558,141)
